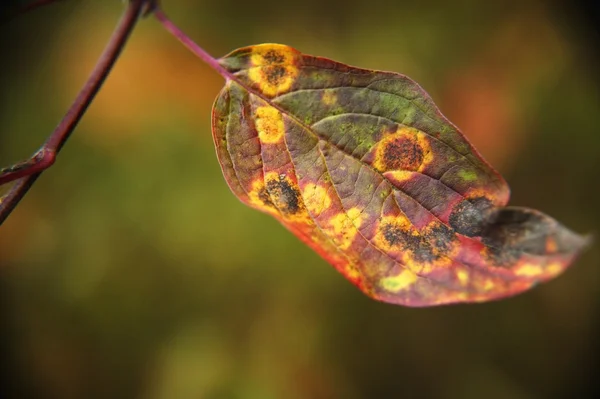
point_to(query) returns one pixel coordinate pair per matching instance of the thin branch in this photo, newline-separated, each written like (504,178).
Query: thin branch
(62,132)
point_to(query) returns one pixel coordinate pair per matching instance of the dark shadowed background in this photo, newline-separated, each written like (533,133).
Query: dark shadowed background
(131,271)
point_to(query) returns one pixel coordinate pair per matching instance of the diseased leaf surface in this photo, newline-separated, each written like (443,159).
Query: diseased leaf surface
(363,167)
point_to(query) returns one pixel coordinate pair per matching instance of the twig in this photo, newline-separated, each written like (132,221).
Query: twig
(45,157)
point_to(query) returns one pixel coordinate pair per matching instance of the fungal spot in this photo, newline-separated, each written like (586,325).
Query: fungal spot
(440,236)
(283,193)
(273,68)
(397,233)
(528,270)
(269,124)
(399,176)
(400,282)
(352,272)
(394,234)
(270,54)
(488,285)
(343,227)
(273,56)
(274,74)
(513,232)
(402,154)
(329,97)
(551,246)
(354,215)
(554,268)
(470,217)
(462,276)
(316,198)
(263,195)
(407,149)
(260,199)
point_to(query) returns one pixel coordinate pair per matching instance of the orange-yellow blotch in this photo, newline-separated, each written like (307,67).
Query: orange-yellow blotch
(535,270)
(551,246)
(269,124)
(316,198)
(441,238)
(406,149)
(352,272)
(419,251)
(273,68)
(402,281)
(488,285)
(329,97)
(554,268)
(260,198)
(393,231)
(481,194)
(528,270)
(399,176)
(462,276)
(343,227)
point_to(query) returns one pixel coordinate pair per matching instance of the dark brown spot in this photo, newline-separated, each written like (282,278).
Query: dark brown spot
(421,250)
(274,74)
(470,217)
(284,195)
(440,237)
(403,153)
(263,195)
(274,57)
(513,232)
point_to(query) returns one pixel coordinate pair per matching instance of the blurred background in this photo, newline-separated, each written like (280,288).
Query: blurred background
(131,271)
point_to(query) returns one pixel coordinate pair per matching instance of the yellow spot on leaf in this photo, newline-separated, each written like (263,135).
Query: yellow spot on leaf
(528,270)
(400,175)
(343,227)
(316,198)
(554,268)
(272,53)
(329,97)
(551,245)
(488,285)
(352,272)
(269,124)
(400,282)
(354,215)
(273,68)
(463,276)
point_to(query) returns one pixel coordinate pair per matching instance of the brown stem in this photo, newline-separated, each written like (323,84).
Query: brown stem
(62,132)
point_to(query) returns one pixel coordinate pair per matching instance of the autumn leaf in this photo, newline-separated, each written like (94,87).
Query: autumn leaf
(363,167)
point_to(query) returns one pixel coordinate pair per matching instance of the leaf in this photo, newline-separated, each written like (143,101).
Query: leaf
(363,167)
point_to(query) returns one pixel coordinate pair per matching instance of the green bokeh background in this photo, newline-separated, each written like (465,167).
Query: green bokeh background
(131,271)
